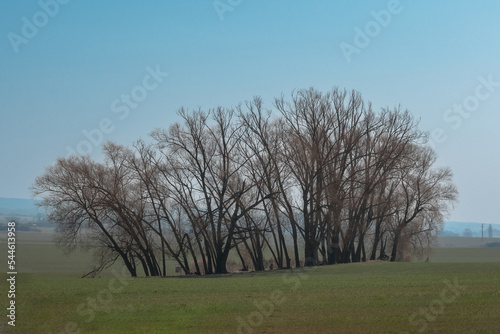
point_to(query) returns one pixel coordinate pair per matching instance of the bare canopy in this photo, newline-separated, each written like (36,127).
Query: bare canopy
(318,179)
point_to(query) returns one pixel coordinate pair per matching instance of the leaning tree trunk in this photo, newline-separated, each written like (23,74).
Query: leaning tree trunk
(397,236)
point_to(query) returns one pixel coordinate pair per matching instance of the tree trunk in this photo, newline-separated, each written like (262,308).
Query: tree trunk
(245,268)
(394,253)
(376,240)
(220,264)
(295,246)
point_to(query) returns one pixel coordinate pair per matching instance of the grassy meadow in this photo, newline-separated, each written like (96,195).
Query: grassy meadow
(458,291)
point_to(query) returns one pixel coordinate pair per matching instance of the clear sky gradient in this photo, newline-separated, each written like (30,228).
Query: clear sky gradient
(67,68)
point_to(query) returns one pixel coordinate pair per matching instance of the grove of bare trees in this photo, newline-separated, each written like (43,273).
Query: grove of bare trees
(318,179)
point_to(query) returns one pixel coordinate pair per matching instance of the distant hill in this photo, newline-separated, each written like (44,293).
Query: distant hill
(459,229)
(19,206)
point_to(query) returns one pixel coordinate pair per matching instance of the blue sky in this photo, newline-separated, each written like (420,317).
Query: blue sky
(72,73)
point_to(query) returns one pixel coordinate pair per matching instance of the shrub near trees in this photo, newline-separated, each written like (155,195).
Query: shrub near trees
(320,179)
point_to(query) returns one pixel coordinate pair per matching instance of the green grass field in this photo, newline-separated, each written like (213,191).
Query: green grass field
(458,255)
(457,292)
(465,241)
(357,298)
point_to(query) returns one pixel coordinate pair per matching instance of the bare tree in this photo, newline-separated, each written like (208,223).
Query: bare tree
(325,172)
(73,197)
(424,196)
(263,147)
(207,171)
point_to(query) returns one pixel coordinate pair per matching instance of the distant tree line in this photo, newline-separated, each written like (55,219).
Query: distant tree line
(319,179)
